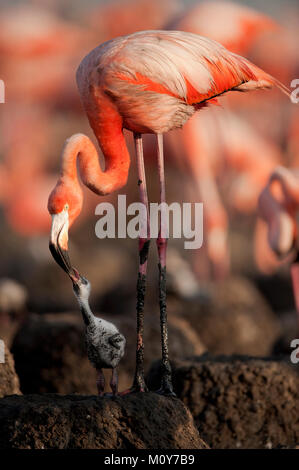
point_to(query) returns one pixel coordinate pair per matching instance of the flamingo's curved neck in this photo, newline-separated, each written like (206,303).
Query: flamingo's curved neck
(289,183)
(107,126)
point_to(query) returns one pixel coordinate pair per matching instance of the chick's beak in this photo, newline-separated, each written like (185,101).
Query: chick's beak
(59,244)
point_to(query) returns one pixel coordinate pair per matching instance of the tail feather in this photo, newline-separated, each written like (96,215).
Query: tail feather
(281,86)
(262,80)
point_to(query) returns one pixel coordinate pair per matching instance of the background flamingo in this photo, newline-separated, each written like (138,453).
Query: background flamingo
(278,206)
(237,27)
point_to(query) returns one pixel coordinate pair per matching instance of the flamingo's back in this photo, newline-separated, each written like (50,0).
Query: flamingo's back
(157,79)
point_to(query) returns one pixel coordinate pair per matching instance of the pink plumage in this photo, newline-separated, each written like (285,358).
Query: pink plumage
(157,79)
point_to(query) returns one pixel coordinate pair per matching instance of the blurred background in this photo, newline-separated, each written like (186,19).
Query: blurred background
(233,296)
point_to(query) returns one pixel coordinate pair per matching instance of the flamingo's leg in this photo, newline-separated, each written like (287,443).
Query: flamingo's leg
(166,384)
(144,242)
(100,382)
(114,382)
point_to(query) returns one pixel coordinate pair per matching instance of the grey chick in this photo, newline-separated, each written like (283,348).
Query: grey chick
(105,344)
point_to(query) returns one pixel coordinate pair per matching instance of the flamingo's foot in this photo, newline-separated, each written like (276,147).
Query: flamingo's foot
(136,388)
(166,388)
(166,392)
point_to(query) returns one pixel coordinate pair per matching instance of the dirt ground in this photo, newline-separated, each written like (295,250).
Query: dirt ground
(234,318)
(239,402)
(72,421)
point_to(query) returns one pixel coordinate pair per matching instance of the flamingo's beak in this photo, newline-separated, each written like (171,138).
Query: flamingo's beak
(59,244)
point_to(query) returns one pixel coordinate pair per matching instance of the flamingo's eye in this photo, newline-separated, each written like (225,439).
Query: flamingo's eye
(66,207)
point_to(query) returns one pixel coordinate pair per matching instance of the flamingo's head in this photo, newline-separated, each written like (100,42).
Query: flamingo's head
(64,205)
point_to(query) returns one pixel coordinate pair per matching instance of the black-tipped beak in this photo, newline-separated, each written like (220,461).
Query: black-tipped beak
(59,244)
(61,257)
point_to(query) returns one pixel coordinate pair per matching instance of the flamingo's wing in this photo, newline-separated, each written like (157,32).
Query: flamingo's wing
(115,340)
(184,65)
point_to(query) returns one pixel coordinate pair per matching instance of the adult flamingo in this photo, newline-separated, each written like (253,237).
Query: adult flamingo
(238,28)
(278,206)
(235,26)
(147,82)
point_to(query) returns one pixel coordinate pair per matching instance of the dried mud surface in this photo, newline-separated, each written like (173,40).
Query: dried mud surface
(136,421)
(234,319)
(239,402)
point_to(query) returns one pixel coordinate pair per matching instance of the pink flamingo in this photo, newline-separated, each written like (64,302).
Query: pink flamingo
(293,139)
(251,172)
(37,43)
(236,27)
(147,82)
(200,158)
(278,205)
(28,31)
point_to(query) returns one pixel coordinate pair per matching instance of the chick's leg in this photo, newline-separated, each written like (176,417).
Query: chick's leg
(114,382)
(100,382)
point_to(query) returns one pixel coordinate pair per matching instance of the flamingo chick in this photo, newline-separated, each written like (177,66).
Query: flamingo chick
(147,82)
(104,343)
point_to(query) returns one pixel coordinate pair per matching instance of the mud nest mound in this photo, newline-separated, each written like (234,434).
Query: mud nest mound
(136,421)
(50,352)
(9,381)
(239,402)
(233,319)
